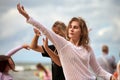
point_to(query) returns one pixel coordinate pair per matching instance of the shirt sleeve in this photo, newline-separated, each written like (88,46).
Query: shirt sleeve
(97,68)
(13,51)
(57,40)
(45,54)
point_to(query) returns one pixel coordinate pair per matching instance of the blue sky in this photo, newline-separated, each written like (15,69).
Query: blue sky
(103,16)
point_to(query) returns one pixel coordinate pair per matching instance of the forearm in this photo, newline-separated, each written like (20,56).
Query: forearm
(54,57)
(13,51)
(34,42)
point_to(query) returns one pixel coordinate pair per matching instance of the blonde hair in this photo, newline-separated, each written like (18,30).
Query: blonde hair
(61,28)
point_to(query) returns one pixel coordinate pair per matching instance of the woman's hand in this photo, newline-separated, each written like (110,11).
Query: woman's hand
(45,43)
(26,46)
(37,32)
(22,11)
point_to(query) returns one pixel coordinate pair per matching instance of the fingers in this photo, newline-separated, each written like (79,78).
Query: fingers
(22,7)
(18,5)
(22,11)
(46,39)
(45,43)
(43,40)
(37,32)
(19,8)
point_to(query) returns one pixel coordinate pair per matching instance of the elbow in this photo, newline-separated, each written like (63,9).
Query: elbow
(58,64)
(33,47)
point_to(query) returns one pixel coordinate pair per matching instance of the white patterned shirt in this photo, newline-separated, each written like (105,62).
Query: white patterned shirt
(75,60)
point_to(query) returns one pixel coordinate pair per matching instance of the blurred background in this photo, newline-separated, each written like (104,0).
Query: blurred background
(103,16)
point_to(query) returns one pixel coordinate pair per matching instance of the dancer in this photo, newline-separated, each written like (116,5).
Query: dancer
(57,71)
(75,55)
(7,64)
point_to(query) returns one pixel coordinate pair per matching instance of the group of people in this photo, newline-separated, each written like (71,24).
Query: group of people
(71,54)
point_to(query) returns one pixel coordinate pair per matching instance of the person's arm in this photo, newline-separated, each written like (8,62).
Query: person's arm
(57,40)
(98,69)
(34,44)
(13,51)
(39,48)
(52,54)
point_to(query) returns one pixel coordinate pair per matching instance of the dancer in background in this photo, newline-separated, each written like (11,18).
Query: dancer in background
(57,71)
(106,61)
(7,64)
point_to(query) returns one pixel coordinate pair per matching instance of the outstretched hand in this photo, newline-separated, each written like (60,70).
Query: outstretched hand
(22,11)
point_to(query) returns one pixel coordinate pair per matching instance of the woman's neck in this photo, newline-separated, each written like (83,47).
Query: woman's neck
(75,41)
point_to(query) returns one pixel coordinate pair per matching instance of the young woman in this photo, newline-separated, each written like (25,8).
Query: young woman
(57,71)
(75,55)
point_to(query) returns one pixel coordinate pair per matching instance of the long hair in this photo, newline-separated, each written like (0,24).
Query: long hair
(61,27)
(4,62)
(84,37)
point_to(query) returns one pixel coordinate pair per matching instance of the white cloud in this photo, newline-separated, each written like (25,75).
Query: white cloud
(103,31)
(112,32)
(11,23)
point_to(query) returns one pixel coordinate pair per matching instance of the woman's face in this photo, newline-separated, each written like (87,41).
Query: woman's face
(74,30)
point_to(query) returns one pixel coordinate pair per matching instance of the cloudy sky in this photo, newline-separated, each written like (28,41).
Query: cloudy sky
(102,16)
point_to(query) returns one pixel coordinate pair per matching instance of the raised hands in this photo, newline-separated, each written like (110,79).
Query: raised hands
(37,32)
(45,43)
(22,11)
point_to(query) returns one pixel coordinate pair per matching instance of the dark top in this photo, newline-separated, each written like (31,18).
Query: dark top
(57,71)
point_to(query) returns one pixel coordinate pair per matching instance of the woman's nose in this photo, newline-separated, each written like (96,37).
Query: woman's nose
(71,29)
